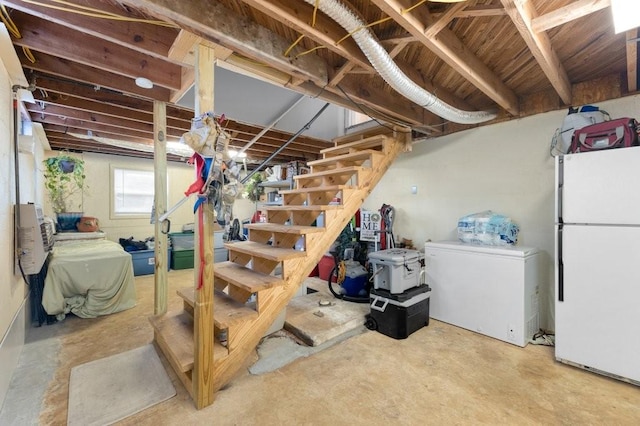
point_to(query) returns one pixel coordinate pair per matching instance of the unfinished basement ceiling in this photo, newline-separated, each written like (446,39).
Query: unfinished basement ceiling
(514,57)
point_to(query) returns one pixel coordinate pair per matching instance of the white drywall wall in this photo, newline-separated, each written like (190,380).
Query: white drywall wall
(505,167)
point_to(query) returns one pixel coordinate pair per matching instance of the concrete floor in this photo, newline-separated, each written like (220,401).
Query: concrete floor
(439,375)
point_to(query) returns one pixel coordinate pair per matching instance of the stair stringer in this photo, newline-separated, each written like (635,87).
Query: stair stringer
(274,300)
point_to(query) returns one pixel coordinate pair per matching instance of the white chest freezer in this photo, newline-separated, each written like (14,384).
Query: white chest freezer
(486,289)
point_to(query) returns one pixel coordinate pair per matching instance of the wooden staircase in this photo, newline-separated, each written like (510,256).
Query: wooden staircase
(335,188)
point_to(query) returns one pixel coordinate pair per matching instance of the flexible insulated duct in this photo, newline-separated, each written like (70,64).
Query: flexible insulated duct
(390,72)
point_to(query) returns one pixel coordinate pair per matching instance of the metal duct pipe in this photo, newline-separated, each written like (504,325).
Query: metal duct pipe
(390,72)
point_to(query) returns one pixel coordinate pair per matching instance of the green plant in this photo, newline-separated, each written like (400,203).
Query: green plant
(62,180)
(252,189)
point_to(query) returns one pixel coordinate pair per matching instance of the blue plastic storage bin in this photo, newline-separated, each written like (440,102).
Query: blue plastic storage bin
(144,261)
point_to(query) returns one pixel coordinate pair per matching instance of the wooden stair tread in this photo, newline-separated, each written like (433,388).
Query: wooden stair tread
(245,278)
(265,251)
(226,311)
(175,333)
(370,142)
(360,155)
(332,172)
(305,208)
(325,188)
(284,229)
(369,132)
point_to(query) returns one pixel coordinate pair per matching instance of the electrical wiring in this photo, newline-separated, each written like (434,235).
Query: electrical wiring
(15,32)
(96,13)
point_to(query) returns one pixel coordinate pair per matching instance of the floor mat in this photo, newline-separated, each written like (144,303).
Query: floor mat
(104,391)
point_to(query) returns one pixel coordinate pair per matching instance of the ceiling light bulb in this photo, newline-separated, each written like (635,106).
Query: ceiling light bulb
(143,82)
(233,154)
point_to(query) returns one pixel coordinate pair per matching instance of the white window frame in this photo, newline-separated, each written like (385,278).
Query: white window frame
(356,119)
(112,192)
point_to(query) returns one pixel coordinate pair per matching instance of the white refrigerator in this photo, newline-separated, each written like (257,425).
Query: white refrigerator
(598,262)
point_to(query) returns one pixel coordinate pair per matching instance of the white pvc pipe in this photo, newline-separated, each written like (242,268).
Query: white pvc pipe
(390,72)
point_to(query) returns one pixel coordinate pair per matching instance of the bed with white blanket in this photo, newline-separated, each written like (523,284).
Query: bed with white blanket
(89,279)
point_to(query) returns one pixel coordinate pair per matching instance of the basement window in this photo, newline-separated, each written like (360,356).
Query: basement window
(132,192)
(355,119)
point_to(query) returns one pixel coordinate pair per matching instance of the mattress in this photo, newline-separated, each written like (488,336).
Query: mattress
(89,278)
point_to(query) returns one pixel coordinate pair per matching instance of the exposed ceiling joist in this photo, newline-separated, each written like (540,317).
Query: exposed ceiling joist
(147,39)
(522,15)
(468,54)
(215,23)
(567,13)
(89,75)
(452,51)
(445,19)
(60,41)
(481,11)
(328,33)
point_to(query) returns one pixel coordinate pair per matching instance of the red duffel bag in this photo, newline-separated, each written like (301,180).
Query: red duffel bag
(618,133)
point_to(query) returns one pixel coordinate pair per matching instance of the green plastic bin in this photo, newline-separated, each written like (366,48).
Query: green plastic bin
(181,259)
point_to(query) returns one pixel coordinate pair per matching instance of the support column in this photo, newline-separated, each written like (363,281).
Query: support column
(160,206)
(203,373)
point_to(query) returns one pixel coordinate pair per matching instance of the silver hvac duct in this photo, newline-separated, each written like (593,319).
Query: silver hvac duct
(389,71)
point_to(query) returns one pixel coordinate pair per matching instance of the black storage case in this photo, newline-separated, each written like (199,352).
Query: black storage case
(399,315)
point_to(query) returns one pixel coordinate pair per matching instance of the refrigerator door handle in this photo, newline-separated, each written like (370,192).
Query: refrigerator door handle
(560,266)
(559,188)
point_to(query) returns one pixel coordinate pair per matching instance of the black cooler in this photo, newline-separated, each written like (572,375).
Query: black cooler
(399,315)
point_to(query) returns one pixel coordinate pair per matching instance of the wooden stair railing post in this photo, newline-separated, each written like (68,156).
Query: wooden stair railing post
(203,334)
(160,204)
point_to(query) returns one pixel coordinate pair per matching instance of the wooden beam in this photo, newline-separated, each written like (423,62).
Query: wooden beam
(184,47)
(160,207)
(183,50)
(150,39)
(101,94)
(568,13)
(50,124)
(406,38)
(103,110)
(522,14)
(449,15)
(481,11)
(214,22)
(99,78)
(69,143)
(203,366)
(452,51)
(395,50)
(326,31)
(632,60)
(341,73)
(44,36)
(61,112)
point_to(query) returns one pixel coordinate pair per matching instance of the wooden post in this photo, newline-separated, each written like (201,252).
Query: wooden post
(160,205)
(202,376)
